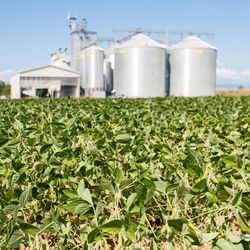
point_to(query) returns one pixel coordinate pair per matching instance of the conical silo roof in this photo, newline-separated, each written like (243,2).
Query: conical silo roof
(192,42)
(94,47)
(141,40)
(110,50)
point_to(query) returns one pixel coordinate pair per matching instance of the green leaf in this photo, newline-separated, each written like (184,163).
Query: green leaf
(245,204)
(200,186)
(46,221)
(125,183)
(15,212)
(223,195)
(29,229)
(130,200)
(193,238)
(9,208)
(70,122)
(237,199)
(191,164)
(12,142)
(209,236)
(118,175)
(153,245)
(246,200)
(81,189)
(160,186)
(70,193)
(54,162)
(229,190)
(123,138)
(81,208)
(71,206)
(94,236)
(233,238)
(134,209)
(19,124)
(113,227)
(242,222)
(45,148)
(14,179)
(106,185)
(130,233)
(98,209)
(25,196)
(241,246)
(2,170)
(150,195)
(23,169)
(15,239)
(141,191)
(176,224)
(223,244)
(87,196)
(230,161)
(181,190)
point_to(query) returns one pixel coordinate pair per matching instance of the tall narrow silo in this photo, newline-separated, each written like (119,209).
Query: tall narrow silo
(192,68)
(167,69)
(91,70)
(140,68)
(107,73)
(80,38)
(75,43)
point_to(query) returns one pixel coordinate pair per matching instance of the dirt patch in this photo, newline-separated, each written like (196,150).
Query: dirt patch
(233,92)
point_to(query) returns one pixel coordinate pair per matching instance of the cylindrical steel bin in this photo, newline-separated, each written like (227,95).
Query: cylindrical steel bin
(91,70)
(193,69)
(107,73)
(140,68)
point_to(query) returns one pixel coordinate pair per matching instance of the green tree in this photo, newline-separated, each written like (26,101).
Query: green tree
(4,88)
(2,84)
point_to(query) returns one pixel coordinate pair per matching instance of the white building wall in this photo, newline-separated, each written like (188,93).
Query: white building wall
(77,92)
(47,77)
(15,88)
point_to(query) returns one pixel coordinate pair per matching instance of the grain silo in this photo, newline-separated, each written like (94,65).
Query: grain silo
(140,68)
(109,54)
(107,73)
(192,68)
(75,43)
(91,69)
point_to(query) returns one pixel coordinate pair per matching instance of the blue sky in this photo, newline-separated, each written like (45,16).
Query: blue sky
(30,30)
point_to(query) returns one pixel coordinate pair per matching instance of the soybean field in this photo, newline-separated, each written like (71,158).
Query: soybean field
(161,173)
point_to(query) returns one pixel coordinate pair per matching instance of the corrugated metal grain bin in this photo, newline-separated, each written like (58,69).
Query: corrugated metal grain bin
(140,68)
(91,68)
(192,68)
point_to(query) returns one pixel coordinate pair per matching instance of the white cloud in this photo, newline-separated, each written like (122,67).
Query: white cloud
(232,76)
(219,63)
(5,75)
